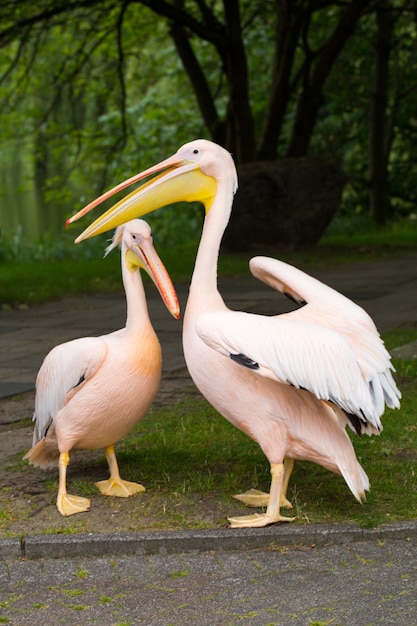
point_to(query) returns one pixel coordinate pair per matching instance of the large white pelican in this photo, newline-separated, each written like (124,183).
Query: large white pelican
(292,382)
(90,392)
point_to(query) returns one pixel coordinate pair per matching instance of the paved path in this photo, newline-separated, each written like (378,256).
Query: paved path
(362,584)
(260,582)
(387,289)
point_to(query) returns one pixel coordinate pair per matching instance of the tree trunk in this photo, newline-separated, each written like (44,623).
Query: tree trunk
(289,21)
(40,176)
(378,148)
(238,81)
(201,88)
(236,132)
(312,96)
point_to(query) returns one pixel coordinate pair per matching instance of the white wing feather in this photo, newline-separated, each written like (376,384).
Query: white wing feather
(303,355)
(329,308)
(329,347)
(66,367)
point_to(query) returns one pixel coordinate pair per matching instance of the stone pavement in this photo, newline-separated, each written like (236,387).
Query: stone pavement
(298,575)
(386,289)
(367,583)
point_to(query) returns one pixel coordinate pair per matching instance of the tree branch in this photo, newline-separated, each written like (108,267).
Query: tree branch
(311,97)
(288,24)
(120,72)
(199,82)
(211,30)
(237,76)
(54,9)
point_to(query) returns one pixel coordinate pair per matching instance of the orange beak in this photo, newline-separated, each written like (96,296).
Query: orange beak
(144,255)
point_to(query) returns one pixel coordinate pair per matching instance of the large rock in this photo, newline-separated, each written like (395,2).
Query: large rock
(285,204)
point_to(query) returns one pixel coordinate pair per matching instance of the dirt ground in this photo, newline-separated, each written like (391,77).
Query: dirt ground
(28,494)
(14,435)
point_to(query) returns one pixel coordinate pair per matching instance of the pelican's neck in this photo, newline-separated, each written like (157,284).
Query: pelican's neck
(205,270)
(136,307)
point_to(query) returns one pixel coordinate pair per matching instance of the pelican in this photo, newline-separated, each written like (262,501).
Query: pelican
(90,392)
(292,382)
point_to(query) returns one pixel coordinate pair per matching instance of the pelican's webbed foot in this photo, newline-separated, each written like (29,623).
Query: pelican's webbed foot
(65,503)
(115,486)
(70,505)
(255,498)
(257,520)
(273,501)
(118,487)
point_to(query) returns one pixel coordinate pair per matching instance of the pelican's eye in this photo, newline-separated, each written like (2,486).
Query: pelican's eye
(195,151)
(138,239)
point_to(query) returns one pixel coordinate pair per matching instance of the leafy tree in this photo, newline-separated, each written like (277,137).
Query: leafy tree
(89,85)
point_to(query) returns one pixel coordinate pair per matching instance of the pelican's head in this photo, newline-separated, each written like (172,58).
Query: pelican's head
(135,240)
(191,174)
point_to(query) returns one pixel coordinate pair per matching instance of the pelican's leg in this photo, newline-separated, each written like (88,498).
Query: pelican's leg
(256,498)
(115,486)
(272,514)
(67,504)
(288,468)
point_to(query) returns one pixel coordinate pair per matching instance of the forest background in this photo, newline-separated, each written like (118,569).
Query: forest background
(92,91)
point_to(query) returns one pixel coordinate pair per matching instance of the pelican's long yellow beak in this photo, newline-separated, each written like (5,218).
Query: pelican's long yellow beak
(144,255)
(176,180)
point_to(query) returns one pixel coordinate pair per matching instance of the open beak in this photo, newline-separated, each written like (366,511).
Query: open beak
(145,256)
(176,180)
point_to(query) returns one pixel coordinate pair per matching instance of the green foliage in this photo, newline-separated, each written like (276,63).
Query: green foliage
(90,135)
(84,105)
(31,283)
(343,126)
(399,337)
(358,230)
(34,273)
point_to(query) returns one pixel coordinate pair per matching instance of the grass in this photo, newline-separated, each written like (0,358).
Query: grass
(27,281)
(190,458)
(201,453)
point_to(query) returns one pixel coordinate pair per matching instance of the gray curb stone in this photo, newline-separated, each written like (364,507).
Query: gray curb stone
(176,542)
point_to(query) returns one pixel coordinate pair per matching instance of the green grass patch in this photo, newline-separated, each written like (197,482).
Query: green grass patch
(399,337)
(73,593)
(360,231)
(105,599)
(191,460)
(27,281)
(202,453)
(81,573)
(180,573)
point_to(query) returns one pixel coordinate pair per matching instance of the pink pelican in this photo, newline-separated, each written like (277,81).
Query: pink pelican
(292,382)
(91,392)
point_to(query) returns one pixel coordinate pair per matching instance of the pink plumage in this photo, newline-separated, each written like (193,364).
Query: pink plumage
(91,392)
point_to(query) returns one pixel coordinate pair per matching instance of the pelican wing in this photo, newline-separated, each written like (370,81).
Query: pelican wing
(302,354)
(64,371)
(328,308)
